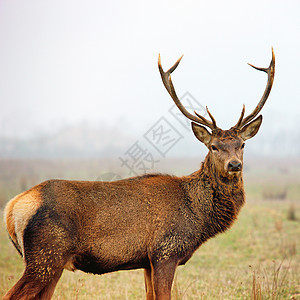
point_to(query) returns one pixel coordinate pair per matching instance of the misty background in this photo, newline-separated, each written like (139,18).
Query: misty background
(79,79)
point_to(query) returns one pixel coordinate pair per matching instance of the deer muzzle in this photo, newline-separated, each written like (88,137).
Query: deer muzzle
(234,166)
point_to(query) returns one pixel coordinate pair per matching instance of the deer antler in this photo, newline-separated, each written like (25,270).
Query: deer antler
(167,81)
(271,72)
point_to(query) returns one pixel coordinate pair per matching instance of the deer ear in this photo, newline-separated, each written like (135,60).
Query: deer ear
(201,133)
(251,129)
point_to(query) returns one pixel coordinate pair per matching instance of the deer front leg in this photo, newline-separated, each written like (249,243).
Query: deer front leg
(162,278)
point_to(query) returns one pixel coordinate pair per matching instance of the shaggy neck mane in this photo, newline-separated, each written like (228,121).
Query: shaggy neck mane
(223,197)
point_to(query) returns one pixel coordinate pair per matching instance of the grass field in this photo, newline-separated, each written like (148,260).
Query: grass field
(258,258)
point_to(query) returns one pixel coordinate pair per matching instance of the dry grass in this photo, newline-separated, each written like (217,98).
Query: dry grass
(270,286)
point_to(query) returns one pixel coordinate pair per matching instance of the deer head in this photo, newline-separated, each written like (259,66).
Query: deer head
(225,146)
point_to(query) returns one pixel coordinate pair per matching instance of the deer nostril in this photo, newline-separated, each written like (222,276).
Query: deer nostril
(234,166)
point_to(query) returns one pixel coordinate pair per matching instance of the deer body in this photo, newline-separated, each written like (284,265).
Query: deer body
(130,223)
(154,222)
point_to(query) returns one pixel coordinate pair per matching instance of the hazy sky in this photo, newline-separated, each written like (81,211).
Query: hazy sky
(65,61)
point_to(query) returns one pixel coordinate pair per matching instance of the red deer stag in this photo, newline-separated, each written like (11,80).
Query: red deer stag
(154,222)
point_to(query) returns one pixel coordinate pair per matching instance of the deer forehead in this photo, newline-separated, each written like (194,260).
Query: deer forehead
(226,139)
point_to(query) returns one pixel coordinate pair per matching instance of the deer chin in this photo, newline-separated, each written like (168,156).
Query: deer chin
(233,174)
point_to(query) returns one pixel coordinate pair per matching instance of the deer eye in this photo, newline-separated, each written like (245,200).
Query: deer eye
(243,146)
(214,148)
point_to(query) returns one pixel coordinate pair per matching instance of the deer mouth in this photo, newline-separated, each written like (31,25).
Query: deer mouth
(234,170)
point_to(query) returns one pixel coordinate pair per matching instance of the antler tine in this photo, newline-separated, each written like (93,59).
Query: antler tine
(213,121)
(271,72)
(167,81)
(211,117)
(238,124)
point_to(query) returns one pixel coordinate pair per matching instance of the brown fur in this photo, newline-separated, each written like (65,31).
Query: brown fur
(154,222)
